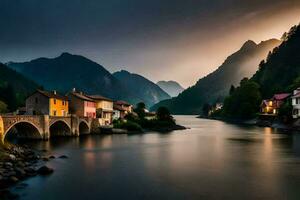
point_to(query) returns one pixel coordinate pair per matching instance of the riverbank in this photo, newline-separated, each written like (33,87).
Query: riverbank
(273,123)
(143,130)
(18,163)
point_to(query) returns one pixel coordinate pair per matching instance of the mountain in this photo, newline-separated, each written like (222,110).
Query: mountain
(171,87)
(14,87)
(215,86)
(281,70)
(72,71)
(69,71)
(142,87)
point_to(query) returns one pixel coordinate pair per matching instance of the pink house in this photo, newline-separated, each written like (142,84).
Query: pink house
(81,105)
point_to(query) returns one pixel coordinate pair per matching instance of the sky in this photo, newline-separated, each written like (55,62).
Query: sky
(181,40)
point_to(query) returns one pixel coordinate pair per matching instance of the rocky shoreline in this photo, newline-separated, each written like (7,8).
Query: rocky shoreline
(18,163)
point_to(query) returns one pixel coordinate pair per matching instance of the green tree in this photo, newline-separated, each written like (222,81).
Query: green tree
(205,109)
(163,113)
(286,111)
(3,107)
(231,90)
(244,101)
(140,110)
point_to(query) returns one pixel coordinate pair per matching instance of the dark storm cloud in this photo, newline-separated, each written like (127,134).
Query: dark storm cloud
(105,28)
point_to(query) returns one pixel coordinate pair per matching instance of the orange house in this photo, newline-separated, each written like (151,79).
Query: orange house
(47,103)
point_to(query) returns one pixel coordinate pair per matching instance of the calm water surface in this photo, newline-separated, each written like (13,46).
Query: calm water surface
(212,160)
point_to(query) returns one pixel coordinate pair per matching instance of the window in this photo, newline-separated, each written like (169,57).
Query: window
(54,101)
(63,103)
(36,100)
(54,112)
(295,111)
(270,103)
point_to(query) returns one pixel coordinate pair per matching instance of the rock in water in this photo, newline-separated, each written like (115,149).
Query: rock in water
(13,179)
(44,170)
(63,156)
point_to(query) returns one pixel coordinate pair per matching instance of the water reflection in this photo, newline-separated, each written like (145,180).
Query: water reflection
(212,160)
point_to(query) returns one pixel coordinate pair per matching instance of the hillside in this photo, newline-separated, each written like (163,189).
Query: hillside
(148,91)
(68,71)
(171,87)
(282,67)
(215,86)
(14,87)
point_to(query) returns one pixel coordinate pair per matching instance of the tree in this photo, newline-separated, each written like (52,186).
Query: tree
(140,110)
(244,102)
(286,110)
(7,95)
(205,109)
(3,107)
(232,88)
(163,113)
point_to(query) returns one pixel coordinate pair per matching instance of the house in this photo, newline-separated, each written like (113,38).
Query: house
(47,103)
(81,105)
(121,109)
(217,106)
(21,111)
(296,103)
(271,106)
(104,109)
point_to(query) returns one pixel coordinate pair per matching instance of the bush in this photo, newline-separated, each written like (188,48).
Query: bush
(128,125)
(3,107)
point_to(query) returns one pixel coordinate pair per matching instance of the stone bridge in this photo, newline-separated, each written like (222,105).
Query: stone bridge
(43,126)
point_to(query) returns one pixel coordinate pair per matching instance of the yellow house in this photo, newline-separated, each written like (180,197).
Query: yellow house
(104,108)
(47,103)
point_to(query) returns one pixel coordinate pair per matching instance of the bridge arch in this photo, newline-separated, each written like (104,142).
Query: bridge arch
(59,128)
(22,130)
(83,127)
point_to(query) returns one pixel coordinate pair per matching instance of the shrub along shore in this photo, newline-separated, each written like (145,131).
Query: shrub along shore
(162,121)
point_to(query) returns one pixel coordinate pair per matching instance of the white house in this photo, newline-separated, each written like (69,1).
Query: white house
(296,103)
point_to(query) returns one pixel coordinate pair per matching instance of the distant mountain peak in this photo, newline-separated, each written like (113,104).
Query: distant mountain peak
(123,71)
(171,87)
(273,40)
(144,88)
(249,44)
(65,54)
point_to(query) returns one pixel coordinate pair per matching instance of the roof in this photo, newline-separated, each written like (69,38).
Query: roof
(122,103)
(296,95)
(81,96)
(52,95)
(98,97)
(265,102)
(281,96)
(119,107)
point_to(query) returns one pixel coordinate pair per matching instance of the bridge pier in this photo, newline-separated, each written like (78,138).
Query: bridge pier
(46,128)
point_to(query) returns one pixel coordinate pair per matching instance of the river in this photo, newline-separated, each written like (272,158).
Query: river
(211,160)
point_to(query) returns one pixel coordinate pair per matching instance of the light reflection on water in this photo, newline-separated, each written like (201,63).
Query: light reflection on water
(212,160)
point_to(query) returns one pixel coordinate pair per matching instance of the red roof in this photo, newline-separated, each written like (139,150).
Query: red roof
(122,103)
(281,96)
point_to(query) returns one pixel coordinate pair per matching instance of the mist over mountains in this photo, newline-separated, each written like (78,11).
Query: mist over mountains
(171,87)
(215,86)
